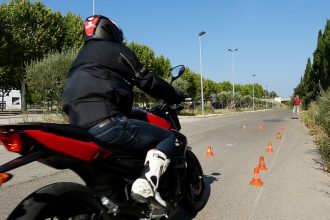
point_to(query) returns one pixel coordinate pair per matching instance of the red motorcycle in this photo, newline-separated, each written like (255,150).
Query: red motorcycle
(108,175)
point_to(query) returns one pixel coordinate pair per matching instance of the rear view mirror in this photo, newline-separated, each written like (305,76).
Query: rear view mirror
(176,72)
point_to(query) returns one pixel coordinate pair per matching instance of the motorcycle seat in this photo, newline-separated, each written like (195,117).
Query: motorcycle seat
(68,130)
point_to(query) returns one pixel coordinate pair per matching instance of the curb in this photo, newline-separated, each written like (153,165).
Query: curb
(220,114)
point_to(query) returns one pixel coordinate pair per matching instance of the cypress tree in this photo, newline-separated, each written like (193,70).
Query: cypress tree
(317,74)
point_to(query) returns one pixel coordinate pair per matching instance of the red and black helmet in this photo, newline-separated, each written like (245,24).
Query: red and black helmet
(102,28)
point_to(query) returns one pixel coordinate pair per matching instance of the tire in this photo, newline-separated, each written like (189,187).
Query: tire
(59,201)
(193,186)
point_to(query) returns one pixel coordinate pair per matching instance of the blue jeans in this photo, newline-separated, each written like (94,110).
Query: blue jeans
(133,136)
(296,111)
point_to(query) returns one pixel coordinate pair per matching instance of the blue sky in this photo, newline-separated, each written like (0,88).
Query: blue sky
(274,37)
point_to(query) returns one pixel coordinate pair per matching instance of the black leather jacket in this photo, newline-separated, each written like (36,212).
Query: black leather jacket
(100,83)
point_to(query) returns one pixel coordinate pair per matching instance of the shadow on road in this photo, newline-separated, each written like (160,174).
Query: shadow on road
(180,214)
(209,179)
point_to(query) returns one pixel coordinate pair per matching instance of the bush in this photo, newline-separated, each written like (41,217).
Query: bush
(323,118)
(208,109)
(317,118)
(310,115)
(324,146)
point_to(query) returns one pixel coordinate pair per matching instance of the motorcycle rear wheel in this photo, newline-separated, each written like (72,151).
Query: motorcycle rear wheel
(60,201)
(193,186)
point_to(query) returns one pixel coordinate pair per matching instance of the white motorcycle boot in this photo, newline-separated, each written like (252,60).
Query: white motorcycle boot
(144,189)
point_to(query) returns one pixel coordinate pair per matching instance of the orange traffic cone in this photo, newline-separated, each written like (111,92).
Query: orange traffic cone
(282,128)
(209,152)
(270,148)
(244,127)
(256,181)
(278,136)
(262,165)
(261,127)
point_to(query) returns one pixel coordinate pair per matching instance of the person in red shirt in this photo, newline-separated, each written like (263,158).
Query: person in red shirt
(296,107)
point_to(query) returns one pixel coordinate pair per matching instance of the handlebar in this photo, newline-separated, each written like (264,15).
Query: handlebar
(168,112)
(163,107)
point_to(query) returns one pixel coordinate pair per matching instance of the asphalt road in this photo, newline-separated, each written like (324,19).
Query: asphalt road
(294,187)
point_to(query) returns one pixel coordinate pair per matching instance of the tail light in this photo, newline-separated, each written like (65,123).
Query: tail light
(12,141)
(4,177)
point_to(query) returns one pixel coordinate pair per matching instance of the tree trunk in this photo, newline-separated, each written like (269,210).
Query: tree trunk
(2,100)
(23,103)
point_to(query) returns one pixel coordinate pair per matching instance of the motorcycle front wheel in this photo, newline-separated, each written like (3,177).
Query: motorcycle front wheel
(60,201)
(193,186)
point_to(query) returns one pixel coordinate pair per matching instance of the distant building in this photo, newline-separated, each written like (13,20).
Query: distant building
(281,99)
(278,99)
(12,101)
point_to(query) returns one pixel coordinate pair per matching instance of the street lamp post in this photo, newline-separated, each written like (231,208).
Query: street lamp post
(266,96)
(200,61)
(253,92)
(233,68)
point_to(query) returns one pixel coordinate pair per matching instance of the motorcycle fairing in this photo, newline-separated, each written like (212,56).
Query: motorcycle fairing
(153,119)
(83,150)
(149,117)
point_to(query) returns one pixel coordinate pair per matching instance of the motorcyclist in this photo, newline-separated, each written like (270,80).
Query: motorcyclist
(98,96)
